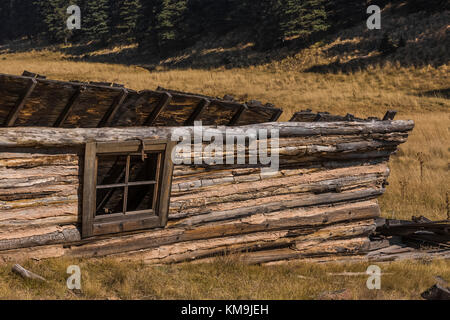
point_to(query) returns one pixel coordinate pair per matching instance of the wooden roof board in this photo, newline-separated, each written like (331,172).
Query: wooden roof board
(11,89)
(36,111)
(36,101)
(259,115)
(309,116)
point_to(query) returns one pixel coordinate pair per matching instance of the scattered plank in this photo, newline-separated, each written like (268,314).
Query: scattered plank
(24,273)
(440,291)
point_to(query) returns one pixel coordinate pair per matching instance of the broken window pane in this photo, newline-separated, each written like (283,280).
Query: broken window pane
(110,201)
(111,169)
(143,170)
(140,198)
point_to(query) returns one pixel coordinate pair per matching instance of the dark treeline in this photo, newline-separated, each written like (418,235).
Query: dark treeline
(163,25)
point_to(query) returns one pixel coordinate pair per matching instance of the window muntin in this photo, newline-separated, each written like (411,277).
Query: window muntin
(126,187)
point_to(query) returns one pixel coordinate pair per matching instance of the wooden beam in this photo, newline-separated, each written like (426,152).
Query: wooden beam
(276,115)
(89,191)
(163,103)
(204,103)
(390,115)
(33,75)
(237,115)
(12,117)
(30,136)
(109,115)
(69,106)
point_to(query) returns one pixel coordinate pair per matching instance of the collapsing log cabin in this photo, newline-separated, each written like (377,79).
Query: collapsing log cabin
(94,169)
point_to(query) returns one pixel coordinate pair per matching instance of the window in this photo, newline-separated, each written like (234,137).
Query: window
(126,186)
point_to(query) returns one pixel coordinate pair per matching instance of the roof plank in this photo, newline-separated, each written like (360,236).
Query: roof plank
(69,106)
(163,103)
(12,117)
(113,109)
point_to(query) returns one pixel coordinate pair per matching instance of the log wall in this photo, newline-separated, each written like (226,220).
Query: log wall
(322,201)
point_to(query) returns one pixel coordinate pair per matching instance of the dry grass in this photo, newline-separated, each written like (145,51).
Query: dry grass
(222,279)
(418,182)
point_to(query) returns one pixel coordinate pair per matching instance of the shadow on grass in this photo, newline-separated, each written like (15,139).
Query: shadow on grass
(439,93)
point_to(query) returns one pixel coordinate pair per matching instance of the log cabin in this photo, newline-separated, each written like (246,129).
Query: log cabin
(92,170)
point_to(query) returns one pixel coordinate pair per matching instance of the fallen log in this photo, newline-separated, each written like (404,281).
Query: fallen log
(24,273)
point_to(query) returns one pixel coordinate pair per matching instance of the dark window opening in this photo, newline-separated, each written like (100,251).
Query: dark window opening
(126,186)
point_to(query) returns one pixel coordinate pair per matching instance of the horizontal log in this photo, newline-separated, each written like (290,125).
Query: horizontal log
(310,193)
(29,136)
(36,213)
(36,253)
(258,182)
(32,160)
(307,219)
(63,235)
(21,228)
(299,201)
(312,249)
(258,248)
(38,202)
(305,222)
(43,191)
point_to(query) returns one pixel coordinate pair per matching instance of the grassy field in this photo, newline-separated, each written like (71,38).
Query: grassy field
(223,279)
(418,182)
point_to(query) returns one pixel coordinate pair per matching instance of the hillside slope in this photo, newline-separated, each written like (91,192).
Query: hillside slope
(422,39)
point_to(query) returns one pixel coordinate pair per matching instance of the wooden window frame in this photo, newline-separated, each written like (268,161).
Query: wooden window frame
(157,217)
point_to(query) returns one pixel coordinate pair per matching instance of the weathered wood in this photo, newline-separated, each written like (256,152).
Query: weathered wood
(437,292)
(69,106)
(307,200)
(14,113)
(32,75)
(24,273)
(109,115)
(89,189)
(21,137)
(100,99)
(440,291)
(64,235)
(311,249)
(237,115)
(307,219)
(402,252)
(320,203)
(252,250)
(198,110)
(390,115)
(163,103)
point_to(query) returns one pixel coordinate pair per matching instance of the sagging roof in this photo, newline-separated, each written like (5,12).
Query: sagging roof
(33,100)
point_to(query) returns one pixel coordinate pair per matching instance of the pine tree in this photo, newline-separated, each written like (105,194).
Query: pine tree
(162,26)
(126,28)
(302,18)
(96,21)
(146,33)
(171,25)
(54,16)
